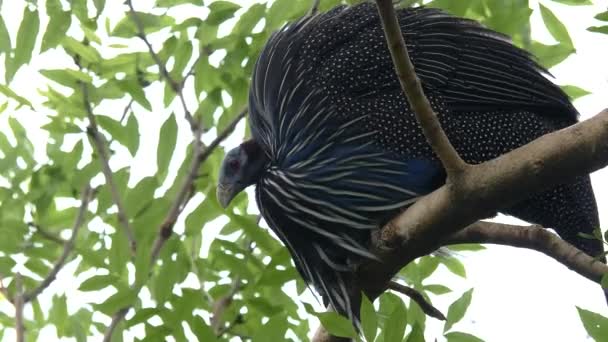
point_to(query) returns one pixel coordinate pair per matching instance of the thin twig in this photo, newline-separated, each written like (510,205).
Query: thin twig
(411,86)
(19,303)
(220,306)
(126,110)
(222,136)
(116,319)
(417,297)
(314,9)
(67,248)
(531,237)
(47,235)
(101,147)
(175,85)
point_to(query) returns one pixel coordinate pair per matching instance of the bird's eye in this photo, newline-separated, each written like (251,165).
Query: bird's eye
(234,164)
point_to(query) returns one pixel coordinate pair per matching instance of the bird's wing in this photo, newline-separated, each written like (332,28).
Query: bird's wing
(472,66)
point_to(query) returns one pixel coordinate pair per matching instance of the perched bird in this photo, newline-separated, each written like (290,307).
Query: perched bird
(336,150)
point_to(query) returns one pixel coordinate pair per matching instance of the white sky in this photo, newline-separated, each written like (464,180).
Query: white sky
(519,295)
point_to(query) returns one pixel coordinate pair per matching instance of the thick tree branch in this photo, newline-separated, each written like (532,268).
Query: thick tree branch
(19,303)
(480,191)
(67,247)
(411,86)
(546,162)
(417,297)
(104,159)
(532,237)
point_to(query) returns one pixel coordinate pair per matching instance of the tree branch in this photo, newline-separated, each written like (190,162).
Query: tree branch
(482,190)
(179,202)
(116,319)
(531,237)
(104,159)
(314,9)
(175,85)
(19,303)
(499,183)
(67,248)
(217,324)
(417,297)
(411,86)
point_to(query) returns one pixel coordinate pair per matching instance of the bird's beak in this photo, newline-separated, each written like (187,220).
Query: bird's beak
(225,193)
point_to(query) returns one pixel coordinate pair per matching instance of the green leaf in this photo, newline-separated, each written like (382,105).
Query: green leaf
(207,211)
(595,324)
(604,281)
(5,38)
(8,92)
(99,6)
(120,251)
(598,29)
(37,266)
(221,11)
(395,324)
(416,335)
(141,195)
(98,282)
(127,135)
(26,40)
(550,55)
(336,324)
(59,23)
(126,28)
(136,91)
(86,53)
(58,314)
(455,266)
(202,331)
(166,146)
(142,315)
(458,309)
(369,321)
(437,289)
(468,247)
(557,29)
(574,92)
(132,141)
(575,2)
(273,330)
(249,19)
(461,337)
(117,301)
(602,16)
(67,77)
(38,313)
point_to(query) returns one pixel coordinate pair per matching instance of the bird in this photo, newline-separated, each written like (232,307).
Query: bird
(336,151)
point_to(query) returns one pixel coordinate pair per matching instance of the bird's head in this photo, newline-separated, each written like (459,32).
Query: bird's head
(242,166)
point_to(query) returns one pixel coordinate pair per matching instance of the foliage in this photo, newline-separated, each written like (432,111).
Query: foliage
(208,50)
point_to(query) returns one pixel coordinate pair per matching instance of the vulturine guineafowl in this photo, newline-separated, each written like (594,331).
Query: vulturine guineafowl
(336,150)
